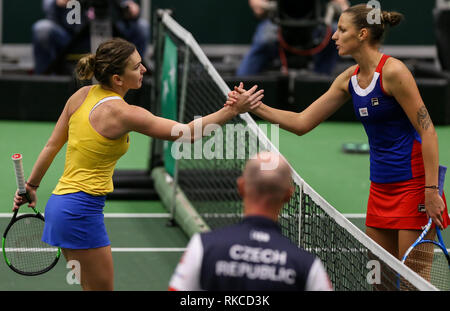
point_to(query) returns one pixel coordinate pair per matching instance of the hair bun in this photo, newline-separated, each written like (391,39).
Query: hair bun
(85,67)
(391,18)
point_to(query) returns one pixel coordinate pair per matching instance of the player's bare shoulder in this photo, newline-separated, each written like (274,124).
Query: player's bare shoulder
(393,66)
(395,73)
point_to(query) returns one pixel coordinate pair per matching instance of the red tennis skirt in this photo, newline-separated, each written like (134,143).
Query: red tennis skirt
(399,205)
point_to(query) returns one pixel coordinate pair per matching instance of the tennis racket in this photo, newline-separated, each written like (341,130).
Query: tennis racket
(426,250)
(23,250)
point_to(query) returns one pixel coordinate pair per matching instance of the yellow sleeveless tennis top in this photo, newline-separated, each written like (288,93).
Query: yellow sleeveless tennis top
(90,157)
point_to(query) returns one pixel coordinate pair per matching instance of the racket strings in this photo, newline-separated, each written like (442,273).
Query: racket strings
(24,248)
(419,260)
(440,272)
(428,260)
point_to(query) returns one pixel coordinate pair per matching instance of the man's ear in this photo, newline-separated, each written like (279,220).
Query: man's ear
(288,194)
(240,185)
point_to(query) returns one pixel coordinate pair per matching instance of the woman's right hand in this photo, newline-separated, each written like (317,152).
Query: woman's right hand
(244,100)
(434,206)
(21,199)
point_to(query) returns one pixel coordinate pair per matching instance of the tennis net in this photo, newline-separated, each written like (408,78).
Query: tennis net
(200,188)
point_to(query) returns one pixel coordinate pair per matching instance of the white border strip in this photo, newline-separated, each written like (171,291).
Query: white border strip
(393,262)
(350,216)
(364,92)
(147,249)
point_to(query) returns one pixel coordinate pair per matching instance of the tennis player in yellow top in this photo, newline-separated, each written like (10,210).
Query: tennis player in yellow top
(95,124)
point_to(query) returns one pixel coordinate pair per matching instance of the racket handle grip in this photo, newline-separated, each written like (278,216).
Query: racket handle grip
(18,170)
(441,178)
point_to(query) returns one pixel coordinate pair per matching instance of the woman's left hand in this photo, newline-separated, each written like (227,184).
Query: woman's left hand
(244,100)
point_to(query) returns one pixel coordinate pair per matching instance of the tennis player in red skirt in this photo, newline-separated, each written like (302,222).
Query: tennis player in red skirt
(404,159)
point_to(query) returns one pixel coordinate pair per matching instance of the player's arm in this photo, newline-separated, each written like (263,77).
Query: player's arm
(143,121)
(134,118)
(138,119)
(302,122)
(399,82)
(186,276)
(318,279)
(54,144)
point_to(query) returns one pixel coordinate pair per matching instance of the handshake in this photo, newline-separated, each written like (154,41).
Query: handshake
(244,100)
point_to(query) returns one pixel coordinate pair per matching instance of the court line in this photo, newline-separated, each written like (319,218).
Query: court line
(113,249)
(358,215)
(110,215)
(137,215)
(9,215)
(140,249)
(147,249)
(167,215)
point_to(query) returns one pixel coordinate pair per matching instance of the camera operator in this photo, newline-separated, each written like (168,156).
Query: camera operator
(51,35)
(265,43)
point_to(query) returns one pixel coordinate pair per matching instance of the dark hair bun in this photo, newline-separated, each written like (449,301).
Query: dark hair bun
(391,18)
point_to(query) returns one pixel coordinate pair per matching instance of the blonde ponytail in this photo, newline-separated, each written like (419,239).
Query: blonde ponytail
(85,67)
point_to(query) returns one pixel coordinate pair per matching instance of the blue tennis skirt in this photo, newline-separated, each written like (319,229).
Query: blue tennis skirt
(75,221)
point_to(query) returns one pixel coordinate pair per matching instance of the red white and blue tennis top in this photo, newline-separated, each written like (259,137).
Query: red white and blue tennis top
(395,145)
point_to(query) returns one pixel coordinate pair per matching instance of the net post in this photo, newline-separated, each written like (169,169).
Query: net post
(187,218)
(171,222)
(156,144)
(180,119)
